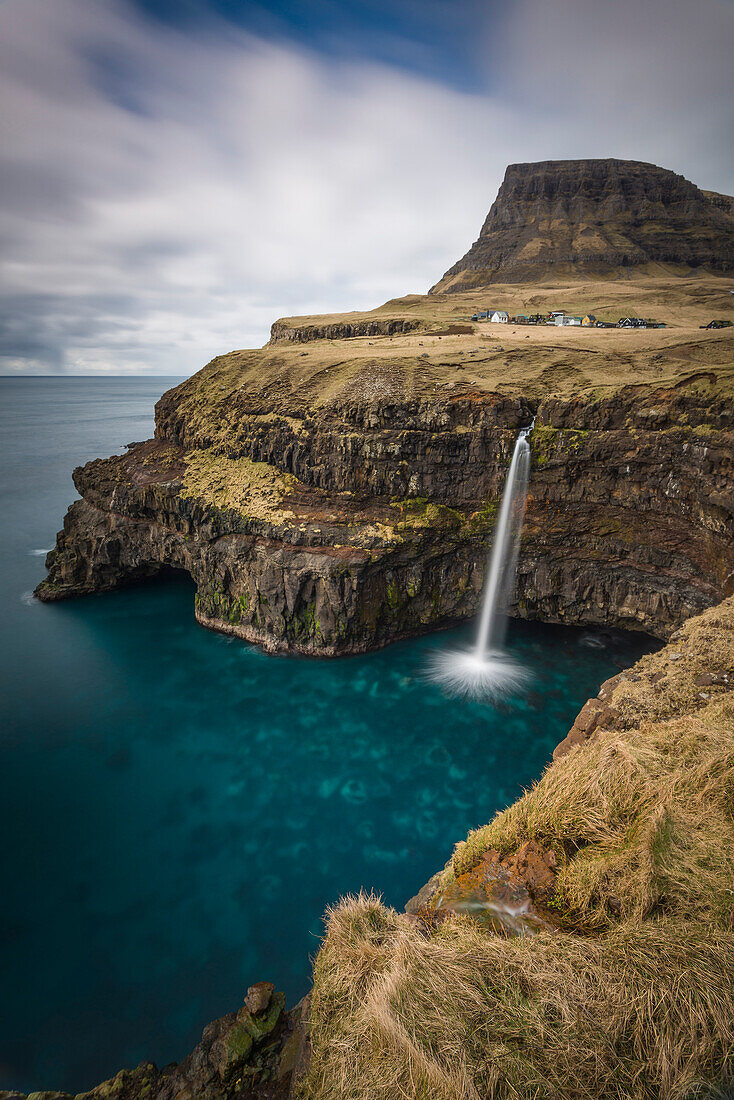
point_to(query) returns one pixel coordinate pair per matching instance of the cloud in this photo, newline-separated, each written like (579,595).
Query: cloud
(166,195)
(644,79)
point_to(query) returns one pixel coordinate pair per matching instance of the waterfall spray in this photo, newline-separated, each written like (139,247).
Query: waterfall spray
(486,669)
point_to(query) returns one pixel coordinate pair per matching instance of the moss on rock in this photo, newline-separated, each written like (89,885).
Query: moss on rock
(254,489)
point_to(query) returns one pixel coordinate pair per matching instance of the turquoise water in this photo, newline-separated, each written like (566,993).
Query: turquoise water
(179,808)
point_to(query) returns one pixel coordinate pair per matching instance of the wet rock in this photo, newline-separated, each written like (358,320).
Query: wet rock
(499,894)
(230,1053)
(296,1051)
(535,866)
(259,997)
(425,895)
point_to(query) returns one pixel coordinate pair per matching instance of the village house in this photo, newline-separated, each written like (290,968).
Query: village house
(589,320)
(500,316)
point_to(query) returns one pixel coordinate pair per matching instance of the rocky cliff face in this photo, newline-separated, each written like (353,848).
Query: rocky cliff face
(340,531)
(593,217)
(283,333)
(328,496)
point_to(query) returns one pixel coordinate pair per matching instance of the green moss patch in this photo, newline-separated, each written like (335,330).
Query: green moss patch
(254,489)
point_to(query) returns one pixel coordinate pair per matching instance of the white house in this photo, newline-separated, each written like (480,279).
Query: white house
(558,317)
(500,317)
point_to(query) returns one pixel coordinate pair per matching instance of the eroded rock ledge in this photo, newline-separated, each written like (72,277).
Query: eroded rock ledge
(338,530)
(281,332)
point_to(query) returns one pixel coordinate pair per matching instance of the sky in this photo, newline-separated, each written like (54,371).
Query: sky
(176,174)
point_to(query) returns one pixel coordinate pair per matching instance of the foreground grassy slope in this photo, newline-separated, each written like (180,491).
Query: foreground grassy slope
(633,995)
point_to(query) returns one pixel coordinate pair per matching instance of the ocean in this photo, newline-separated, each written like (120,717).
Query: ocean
(178,807)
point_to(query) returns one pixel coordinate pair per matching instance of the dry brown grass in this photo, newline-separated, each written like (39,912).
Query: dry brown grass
(644,817)
(644,1012)
(292,381)
(634,999)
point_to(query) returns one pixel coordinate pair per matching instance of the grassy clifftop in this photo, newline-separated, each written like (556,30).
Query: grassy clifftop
(448,356)
(632,994)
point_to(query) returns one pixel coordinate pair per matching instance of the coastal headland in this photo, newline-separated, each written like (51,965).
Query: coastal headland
(338,489)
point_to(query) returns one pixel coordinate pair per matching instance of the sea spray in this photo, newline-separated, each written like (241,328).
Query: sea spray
(487,670)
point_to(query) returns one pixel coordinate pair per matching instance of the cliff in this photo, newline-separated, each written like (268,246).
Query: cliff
(332,506)
(281,332)
(594,217)
(338,489)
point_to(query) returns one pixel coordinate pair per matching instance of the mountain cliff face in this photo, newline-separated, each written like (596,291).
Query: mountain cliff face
(593,217)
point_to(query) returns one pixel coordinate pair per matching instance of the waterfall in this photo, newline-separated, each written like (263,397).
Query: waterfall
(486,670)
(500,583)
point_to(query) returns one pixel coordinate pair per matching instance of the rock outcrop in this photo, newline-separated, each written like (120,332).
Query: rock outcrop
(281,332)
(257,1053)
(593,217)
(339,531)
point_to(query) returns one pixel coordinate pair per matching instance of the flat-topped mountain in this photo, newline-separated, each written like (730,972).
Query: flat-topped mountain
(592,217)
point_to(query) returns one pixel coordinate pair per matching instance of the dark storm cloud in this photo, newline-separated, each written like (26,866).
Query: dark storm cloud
(171,185)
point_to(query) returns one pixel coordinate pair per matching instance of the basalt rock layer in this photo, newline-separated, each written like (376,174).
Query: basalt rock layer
(341,529)
(281,332)
(595,217)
